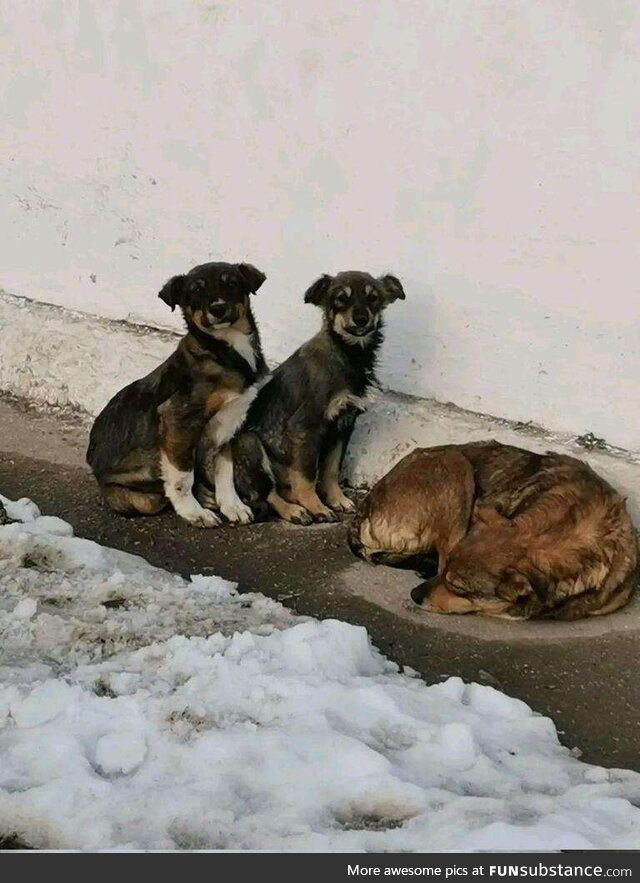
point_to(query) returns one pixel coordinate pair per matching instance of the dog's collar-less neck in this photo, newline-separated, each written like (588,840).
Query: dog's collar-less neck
(222,351)
(205,341)
(360,357)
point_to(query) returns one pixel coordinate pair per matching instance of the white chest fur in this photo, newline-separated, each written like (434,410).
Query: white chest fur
(240,342)
(227,421)
(342,401)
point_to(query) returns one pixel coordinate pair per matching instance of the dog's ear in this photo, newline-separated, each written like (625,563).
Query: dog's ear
(172,291)
(490,516)
(318,290)
(514,586)
(393,288)
(540,582)
(252,276)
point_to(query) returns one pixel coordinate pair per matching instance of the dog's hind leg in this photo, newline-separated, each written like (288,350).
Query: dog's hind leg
(256,483)
(421,507)
(127,501)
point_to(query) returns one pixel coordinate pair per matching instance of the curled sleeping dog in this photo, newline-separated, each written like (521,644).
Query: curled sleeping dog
(514,534)
(143,443)
(290,449)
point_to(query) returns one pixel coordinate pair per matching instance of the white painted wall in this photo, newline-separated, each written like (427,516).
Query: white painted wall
(486,151)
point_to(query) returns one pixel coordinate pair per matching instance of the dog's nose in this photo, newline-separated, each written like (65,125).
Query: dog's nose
(218,310)
(360,319)
(419,593)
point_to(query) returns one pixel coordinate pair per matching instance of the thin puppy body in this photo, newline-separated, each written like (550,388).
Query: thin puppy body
(290,450)
(142,445)
(516,534)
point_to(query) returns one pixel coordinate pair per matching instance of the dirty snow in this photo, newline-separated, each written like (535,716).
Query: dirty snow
(142,710)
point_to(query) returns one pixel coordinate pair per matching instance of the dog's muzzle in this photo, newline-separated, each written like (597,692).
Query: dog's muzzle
(219,314)
(361,324)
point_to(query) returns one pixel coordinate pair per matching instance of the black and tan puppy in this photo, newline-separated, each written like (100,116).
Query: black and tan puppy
(293,441)
(515,534)
(143,443)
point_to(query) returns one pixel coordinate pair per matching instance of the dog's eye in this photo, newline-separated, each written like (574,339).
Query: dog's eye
(456,584)
(372,299)
(231,282)
(341,299)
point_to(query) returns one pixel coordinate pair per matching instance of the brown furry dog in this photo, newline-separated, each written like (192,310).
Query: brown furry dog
(516,534)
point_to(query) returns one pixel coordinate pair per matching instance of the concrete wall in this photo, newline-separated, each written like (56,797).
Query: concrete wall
(485,151)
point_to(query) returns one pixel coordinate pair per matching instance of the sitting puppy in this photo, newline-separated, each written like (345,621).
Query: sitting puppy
(515,534)
(291,447)
(143,443)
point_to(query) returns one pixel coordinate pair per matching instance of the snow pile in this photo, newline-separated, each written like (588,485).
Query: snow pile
(141,710)
(65,601)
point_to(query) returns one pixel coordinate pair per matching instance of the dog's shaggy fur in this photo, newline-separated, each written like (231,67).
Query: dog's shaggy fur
(289,452)
(506,532)
(143,443)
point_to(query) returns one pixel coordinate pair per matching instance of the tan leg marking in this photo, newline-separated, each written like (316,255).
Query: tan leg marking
(329,481)
(288,511)
(303,491)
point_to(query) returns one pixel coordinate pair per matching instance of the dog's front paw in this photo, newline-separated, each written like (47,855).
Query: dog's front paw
(325,515)
(298,515)
(341,503)
(236,512)
(206,518)
(193,513)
